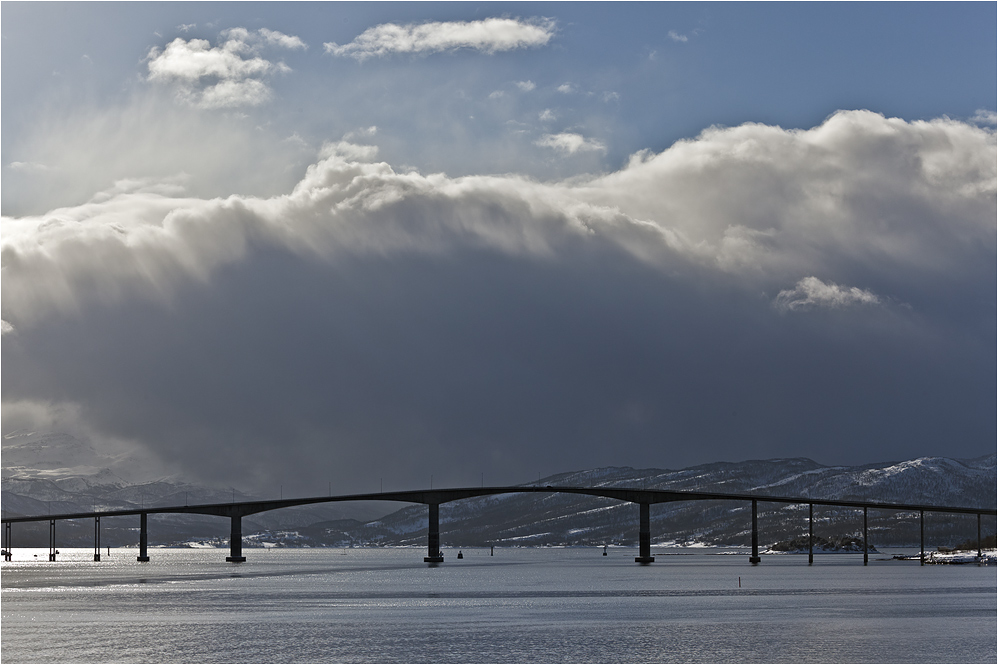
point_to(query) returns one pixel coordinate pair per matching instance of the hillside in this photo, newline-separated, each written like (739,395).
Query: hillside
(61,475)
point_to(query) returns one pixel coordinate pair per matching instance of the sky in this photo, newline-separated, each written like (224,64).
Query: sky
(369,245)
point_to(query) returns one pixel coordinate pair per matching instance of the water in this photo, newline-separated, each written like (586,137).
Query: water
(521,605)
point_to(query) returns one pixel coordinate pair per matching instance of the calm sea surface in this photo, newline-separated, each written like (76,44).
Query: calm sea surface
(521,605)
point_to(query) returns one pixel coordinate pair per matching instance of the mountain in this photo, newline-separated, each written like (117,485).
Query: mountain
(564,519)
(58,474)
(52,473)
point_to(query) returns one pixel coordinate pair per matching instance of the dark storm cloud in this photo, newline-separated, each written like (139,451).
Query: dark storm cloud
(753,293)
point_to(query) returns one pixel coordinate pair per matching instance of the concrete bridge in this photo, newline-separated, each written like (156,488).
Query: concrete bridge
(433,498)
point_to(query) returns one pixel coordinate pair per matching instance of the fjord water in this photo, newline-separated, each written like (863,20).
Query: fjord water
(520,605)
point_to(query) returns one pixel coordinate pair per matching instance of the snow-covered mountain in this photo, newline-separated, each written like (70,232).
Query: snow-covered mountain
(564,519)
(52,473)
(56,473)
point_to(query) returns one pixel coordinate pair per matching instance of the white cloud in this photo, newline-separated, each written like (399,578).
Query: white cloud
(547,115)
(497,94)
(526,86)
(985,117)
(27,167)
(566,88)
(229,94)
(5,328)
(811,293)
(280,39)
(570,142)
(227,76)
(757,202)
(676,37)
(363,132)
(611,96)
(186,27)
(488,36)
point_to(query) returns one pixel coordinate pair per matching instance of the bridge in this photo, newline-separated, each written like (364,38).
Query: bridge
(433,498)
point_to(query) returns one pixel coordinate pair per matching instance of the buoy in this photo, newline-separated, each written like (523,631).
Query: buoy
(460,554)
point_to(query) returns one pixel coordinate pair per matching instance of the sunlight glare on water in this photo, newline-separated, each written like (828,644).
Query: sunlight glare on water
(521,605)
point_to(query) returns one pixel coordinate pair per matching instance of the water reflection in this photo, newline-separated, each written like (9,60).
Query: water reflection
(520,605)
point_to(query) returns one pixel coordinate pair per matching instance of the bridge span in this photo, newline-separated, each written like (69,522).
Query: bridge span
(432,498)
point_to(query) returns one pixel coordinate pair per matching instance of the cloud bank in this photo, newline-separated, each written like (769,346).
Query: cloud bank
(398,324)
(490,35)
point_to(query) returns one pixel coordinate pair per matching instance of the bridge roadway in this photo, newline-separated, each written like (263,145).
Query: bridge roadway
(235,511)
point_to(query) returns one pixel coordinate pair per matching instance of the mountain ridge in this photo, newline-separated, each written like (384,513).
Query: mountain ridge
(532,519)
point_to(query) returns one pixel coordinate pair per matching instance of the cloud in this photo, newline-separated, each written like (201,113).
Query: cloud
(227,76)
(364,132)
(985,117)
(811,292)
(570,142)
(526,86)
(280,39)
(27,167)
(374,322)
(676,37)
(566,88)
(490,36)
(547,115)
(67,157)
(748,200)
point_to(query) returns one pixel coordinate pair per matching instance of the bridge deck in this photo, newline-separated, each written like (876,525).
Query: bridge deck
(439,496)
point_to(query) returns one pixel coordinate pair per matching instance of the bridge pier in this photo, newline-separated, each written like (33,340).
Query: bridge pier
(644,536)
(51,540)
(921,528)
(236,540)
(96,537)
(866,545)
(810,534)
(143,537)
(978,536)
(754,559)
(433,553)
(8,554)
